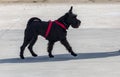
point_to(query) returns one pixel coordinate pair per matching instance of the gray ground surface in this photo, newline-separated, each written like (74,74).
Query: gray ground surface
(96,49)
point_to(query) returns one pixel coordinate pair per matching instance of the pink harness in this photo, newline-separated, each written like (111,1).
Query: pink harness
(50,25)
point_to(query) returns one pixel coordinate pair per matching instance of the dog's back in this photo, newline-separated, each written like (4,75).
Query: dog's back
(31,20)
(37,26)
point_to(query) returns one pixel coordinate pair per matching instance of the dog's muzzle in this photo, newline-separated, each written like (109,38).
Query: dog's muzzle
(78,24)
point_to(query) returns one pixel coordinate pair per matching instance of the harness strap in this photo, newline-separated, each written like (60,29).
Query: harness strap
(50,25)
(60,24)
(48,29)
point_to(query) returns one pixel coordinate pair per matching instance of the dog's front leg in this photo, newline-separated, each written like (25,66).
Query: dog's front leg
(68,47)
(49,49)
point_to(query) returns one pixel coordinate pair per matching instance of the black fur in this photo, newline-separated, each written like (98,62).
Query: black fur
(37,27)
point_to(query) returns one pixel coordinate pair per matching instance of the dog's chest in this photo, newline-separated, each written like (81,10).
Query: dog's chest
(57,33)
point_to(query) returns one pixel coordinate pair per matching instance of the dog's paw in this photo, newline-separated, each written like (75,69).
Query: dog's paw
(22,57)
(51,56)
(34,55)
(74,54)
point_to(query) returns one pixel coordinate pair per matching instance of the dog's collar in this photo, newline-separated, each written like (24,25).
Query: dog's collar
(50,25)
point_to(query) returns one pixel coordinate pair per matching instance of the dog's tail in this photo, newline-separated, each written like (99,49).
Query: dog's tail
(32,20)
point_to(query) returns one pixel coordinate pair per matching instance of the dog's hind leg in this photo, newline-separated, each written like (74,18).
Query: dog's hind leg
(22,48)
(27,38)
(30,47)
(68,47)
(50,47)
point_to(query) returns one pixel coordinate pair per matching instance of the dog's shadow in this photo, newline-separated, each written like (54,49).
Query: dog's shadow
(61,57)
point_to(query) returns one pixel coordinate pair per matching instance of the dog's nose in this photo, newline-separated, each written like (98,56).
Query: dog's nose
(79,22)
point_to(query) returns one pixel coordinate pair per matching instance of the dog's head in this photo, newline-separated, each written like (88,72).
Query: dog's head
(71,19)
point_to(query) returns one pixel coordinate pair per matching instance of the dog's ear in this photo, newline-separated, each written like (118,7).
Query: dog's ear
(70,11)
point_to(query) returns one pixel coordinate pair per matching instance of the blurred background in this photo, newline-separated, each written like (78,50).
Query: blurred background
(93,13)
(63,1)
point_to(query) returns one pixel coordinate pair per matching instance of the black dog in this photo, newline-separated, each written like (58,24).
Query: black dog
(52,31)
